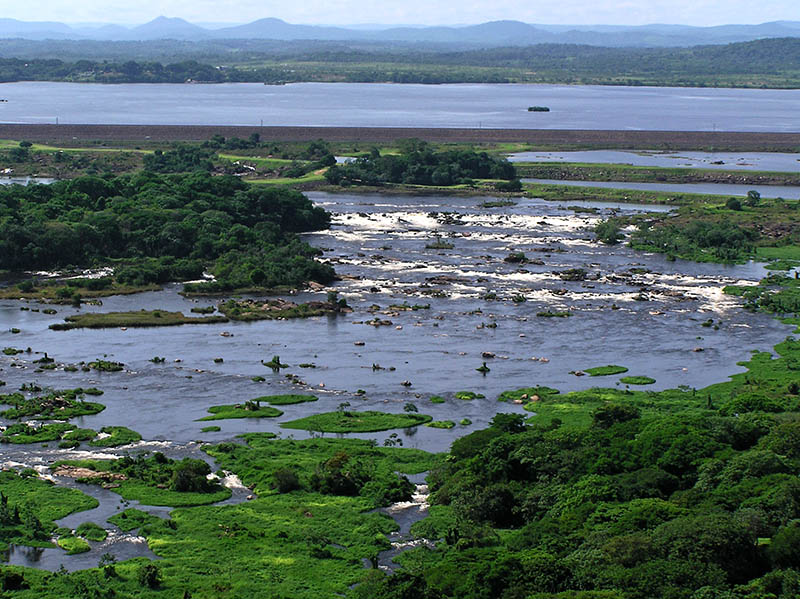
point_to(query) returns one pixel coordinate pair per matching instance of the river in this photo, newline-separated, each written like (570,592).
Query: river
(502,106)
(634,309)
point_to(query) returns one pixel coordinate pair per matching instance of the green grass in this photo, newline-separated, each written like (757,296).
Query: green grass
(285,400)
(130,519)
(80,434)
(526,393)
(605,370)
(210,429)
(637,380)
(44,500)
(437,399)
(134,490)
(356,422)
(469,395)
(441,424)
(23,433)
(784,252)
(118,435)
(91,532)
(141,318)
(62,294)
(782,264)
(307,178)
(73,545)
(57,405)
(230,411)
(257,461)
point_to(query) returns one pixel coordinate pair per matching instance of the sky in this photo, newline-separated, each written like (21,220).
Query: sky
(420,12)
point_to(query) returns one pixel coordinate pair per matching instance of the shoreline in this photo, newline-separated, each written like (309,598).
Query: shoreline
(562,138)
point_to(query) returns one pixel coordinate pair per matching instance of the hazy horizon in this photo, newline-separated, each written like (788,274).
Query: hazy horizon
(416,13)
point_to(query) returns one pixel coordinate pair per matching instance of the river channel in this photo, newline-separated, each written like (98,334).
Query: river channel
(633,308)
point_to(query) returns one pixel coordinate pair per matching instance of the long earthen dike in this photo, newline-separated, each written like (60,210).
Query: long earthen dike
(583,139)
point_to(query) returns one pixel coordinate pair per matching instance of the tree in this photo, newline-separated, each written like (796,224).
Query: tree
(753,198)
(190,475)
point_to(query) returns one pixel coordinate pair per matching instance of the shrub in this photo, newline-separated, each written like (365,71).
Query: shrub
(285,480)
(149,575)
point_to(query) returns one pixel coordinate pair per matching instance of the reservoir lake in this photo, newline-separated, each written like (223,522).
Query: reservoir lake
(407,105)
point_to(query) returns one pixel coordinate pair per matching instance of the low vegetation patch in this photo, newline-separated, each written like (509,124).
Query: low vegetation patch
(73,545)
(527,393)
(605,370)
(285,400)
(156,479)
(57,405)
(130,519)
(141,318)
(115,436)
(469,395)
(637,380)
(106,366)
(23,432)
(29,505)
(91,532)
(278,309)
(441,424)
(248,409)
(343,421)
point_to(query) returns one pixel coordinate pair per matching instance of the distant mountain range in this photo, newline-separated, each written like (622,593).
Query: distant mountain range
(495,33)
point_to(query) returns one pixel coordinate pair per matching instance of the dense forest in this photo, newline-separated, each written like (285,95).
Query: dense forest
(701,505)
(767,62)
(159,228)
(419,164)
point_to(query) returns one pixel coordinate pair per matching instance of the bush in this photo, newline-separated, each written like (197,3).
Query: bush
(733,204)
(509,186)
(149,575)
(608,232)
(285,480)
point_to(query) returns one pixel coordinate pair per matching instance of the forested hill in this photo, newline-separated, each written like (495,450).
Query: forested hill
(763,63)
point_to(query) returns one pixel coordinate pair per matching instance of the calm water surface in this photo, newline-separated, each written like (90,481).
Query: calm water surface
(393,105)
(758,161)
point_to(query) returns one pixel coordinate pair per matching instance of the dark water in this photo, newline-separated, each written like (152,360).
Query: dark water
(724,189)
(392,105)
(378,245)
(759,161)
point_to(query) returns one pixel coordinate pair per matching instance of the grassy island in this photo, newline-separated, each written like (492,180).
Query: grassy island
(141,318)
(249,409)
(356,422)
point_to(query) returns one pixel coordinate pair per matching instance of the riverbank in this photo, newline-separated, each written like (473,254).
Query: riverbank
(642,174)
(542,138)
